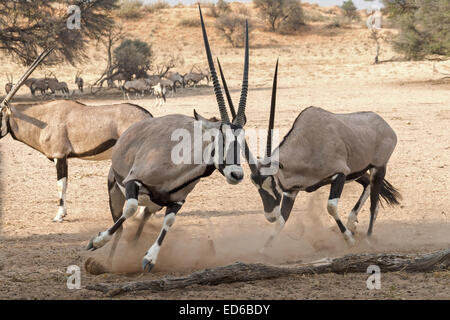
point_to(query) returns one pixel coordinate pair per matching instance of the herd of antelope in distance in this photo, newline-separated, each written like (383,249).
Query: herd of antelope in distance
(321,148)
(157,85)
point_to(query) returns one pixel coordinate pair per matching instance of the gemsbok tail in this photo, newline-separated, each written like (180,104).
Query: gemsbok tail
(390,194)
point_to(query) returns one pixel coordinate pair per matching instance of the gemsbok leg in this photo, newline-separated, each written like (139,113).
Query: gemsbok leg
(61,174)
(286,207)
(353,216)
(376,183)
(337,185)
(169,219)
(116,202)
(131,205)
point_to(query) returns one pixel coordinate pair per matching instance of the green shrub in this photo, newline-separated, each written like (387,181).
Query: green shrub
(133,57)
(424,27)
(285,16)
(349,10)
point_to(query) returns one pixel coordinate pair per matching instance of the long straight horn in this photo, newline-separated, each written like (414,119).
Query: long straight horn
(30,70)
(272,113)
(217,89)
(227,92)
(240,117)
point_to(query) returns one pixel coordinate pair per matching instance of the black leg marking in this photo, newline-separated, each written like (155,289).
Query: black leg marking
(353,216)
(61,175)
(152,254)
(131,205)
(337,185)
(376,183)
(287,204)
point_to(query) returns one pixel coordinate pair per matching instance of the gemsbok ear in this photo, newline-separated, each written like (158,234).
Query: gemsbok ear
(206,124)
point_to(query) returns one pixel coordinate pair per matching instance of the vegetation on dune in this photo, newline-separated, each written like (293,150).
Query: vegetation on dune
(232,28)
(133,57)
(282,16)
(219,9)
(350,10)
(424,27)
(134,9)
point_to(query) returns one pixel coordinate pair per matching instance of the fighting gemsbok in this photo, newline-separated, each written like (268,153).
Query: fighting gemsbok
(144,172)
(325,148)
(65,129)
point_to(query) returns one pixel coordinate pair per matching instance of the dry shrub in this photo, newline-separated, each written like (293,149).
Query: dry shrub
(190,22)
(232,29)
(158,5)
(129,9)
(219,9)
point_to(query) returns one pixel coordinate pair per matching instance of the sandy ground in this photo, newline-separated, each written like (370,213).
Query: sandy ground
(334,73)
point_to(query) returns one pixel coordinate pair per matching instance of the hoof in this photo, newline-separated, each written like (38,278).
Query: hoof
(147,265)
(60,220)
(349,238)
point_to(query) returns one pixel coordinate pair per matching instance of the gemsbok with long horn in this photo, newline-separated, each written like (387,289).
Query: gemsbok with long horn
(325,148)
(64,129)
(147,170)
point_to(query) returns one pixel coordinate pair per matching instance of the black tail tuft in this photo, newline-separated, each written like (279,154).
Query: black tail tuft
(389,194)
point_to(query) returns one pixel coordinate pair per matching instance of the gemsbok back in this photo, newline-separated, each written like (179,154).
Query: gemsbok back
(145,171)
(325,148)
(64,129)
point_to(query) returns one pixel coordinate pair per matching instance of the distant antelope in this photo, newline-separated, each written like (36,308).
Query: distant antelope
(119,77)
(79,81)
(176,78)
(142,172)
(40,84)
(59,86)
(168,84)
(325,148)
(159,92)
(138,86)
(29,83)
(193,78)
(65,129)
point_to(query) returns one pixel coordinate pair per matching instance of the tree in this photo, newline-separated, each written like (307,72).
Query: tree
(424,26)
(112,36)
(26,27)
(219,9)
(349,9)
(133,57)
(232,28)
(280,12)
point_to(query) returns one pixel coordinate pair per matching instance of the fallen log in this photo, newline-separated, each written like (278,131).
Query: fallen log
(243,272)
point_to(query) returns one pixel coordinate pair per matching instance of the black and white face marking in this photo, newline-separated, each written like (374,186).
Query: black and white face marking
(230,164)
(225,154)
(270,195)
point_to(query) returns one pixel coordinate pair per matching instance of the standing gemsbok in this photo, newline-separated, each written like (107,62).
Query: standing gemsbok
(325,148)
(65,129)
(144,171)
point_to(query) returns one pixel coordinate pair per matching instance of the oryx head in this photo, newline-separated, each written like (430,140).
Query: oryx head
(5,108)
(231,133)
(263,170)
